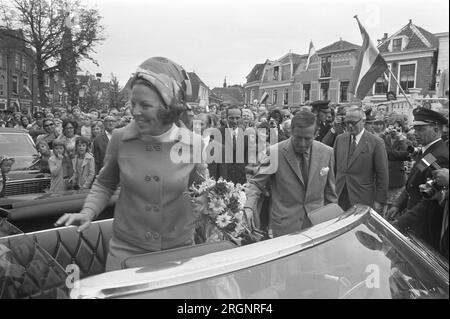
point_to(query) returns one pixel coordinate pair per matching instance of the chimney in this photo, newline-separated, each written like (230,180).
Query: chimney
(410,21)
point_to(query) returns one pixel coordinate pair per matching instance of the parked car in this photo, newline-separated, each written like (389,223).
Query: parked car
(356,255)
(25,176)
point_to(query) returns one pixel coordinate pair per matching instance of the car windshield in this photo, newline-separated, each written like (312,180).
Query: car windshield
(365,262)
(19,147)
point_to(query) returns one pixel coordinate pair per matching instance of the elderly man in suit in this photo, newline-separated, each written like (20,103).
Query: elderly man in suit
(362,174)
(299,175)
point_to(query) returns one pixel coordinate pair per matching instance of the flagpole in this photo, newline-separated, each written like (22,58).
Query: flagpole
(400,87)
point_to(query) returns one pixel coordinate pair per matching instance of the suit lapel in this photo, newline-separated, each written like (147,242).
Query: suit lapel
(314,163)
(291,158)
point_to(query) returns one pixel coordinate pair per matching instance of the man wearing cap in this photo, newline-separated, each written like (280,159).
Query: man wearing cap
(423,216)
(36,128)
(322,110)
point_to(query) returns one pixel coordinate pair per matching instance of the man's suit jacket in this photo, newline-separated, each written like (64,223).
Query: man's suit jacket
(423,216)
(290,200)
(231,169)
(99,151)
(365,173)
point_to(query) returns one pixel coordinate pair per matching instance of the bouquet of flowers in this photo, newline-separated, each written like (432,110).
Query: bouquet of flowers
(219,207)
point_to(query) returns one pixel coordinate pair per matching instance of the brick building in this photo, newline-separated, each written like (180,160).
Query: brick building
(329,74)
(18,80)
(252,90)
(412,55)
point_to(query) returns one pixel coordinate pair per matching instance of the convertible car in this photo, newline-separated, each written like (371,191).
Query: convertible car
(354,255)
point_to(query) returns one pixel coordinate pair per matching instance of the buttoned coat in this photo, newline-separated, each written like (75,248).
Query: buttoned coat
(366,173)
(85,178)
(153,211)
(291,200)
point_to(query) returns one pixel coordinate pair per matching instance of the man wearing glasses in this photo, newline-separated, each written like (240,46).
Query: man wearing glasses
(362,173)
(50,134)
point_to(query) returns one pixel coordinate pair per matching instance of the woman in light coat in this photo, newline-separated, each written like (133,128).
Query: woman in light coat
(153,211)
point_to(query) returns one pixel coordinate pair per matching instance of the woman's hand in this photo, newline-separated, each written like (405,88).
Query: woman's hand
(83,219)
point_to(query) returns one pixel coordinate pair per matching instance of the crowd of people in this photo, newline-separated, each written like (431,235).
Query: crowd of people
(341,154)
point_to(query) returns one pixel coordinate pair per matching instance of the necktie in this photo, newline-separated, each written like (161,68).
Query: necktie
(304,167)
(352,147)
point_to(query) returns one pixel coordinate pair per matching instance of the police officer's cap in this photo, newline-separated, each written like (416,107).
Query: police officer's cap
(424,116)
(321,105)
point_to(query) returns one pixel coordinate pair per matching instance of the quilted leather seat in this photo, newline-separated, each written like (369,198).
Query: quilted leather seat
(33,265)
(27,270)
(88,249)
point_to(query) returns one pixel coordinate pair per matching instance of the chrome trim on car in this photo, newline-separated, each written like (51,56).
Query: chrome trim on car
(136,280)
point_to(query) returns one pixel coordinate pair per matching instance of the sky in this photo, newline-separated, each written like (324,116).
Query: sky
(226,38)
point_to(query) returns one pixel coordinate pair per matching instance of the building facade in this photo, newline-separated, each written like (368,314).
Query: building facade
(18,78)
(329,74)
(412,54)
(252,93)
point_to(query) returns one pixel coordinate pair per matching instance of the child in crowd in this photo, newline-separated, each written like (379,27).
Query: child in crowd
(57,168)
(83,165)
(6,164)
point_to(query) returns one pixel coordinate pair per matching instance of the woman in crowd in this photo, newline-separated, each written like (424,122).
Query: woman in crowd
(153,211)
(69,137)
(24,122)
(83,165)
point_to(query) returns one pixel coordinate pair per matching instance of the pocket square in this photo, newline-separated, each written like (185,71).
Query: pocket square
(324,171)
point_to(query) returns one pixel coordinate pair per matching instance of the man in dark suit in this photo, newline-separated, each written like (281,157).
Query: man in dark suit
(101,142)
(423,216)
(324,117)
(361,164)
(234,150)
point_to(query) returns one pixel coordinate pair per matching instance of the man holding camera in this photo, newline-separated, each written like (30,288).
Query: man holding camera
(424,214)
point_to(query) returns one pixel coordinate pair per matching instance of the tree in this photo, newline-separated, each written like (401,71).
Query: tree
(60,41)
(116,98)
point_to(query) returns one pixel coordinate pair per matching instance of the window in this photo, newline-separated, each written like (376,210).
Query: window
(396,45)
(325,71)
(306,92)
(343,91)
(407,76)
(26,86)
(252,96)
(286,97)
(276,70)
(17,62)
(324,87)
(24,65)
(2,85)
(47,80)
(274,96)
(15,84)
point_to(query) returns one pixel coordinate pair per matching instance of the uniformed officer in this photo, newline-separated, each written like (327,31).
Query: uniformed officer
(324,119)
(423,216)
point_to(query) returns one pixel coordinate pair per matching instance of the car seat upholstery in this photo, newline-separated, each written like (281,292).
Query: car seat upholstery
(88,249)
(34,265)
